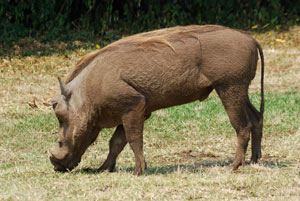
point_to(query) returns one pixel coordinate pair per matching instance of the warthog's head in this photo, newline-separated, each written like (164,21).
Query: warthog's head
(74,137)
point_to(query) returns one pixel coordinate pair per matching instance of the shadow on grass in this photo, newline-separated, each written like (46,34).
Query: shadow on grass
(192,168)
(196,167)
(273,164)
(62,44)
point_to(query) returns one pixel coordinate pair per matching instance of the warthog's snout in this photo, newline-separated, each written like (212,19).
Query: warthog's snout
(55,162)
(62,165)
(57,166)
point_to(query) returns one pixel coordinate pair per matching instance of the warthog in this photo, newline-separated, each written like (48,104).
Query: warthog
(121,84)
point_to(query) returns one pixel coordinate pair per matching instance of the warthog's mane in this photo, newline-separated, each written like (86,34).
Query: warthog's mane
(161,37)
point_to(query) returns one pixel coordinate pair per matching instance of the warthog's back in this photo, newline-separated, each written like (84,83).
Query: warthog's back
(172,66)
(161,36)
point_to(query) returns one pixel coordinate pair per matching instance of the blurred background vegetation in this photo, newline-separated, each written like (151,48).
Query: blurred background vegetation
(84,20)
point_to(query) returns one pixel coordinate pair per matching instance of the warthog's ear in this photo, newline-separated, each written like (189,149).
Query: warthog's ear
(64,91)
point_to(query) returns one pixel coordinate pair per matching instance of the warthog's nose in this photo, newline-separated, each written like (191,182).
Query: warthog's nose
(57,166)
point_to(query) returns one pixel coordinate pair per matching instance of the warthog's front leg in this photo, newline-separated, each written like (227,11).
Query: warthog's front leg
(116,145)
(133,123)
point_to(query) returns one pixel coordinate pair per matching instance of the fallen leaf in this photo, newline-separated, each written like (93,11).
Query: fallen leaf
(33,104)
(46,102)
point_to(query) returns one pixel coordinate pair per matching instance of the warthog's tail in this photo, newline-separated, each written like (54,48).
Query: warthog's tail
(262,104)
(261,54)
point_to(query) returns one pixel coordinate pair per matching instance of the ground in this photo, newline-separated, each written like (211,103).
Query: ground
(188,148)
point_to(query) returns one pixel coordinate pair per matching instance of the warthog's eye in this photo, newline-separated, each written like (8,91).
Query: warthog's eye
(62,119)
(59,118)
(60,144)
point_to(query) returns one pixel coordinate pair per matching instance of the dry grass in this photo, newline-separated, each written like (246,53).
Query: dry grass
(282,60)
(280,39)
(188,148)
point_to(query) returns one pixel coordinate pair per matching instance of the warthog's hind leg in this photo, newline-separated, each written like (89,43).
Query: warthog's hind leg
(235,100)
(256,132)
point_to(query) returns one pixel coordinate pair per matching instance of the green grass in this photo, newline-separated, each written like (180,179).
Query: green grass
(188,149)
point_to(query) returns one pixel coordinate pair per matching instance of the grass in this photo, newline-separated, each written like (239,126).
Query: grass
(188,148)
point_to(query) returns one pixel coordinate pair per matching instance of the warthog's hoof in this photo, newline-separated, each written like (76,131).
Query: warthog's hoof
(255,157)
(237,163)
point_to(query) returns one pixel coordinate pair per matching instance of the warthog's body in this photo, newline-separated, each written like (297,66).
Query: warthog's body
(121,84)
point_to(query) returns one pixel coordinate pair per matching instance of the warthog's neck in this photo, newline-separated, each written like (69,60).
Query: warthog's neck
(77,86)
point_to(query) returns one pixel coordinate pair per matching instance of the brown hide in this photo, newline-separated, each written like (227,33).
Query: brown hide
(121,84)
